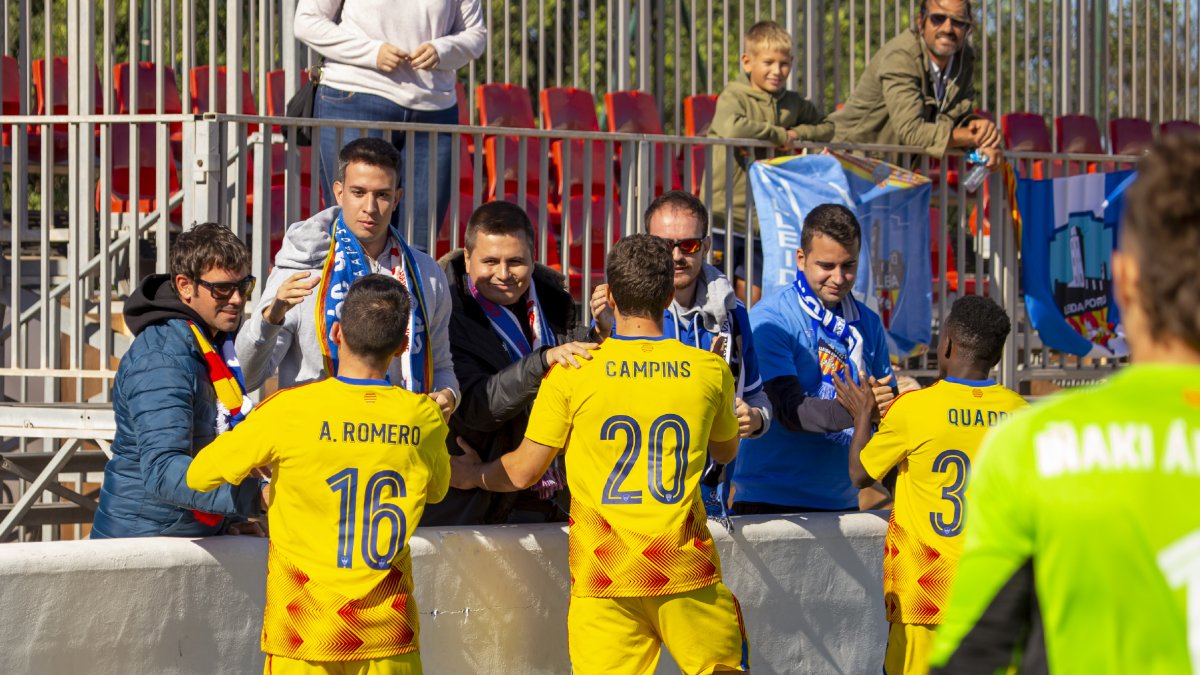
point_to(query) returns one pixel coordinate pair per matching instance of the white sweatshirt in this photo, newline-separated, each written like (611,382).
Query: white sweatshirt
(454,27)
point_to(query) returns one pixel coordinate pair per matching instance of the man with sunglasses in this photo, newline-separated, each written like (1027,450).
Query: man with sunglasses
(918,89)
(705,314)
(176,389)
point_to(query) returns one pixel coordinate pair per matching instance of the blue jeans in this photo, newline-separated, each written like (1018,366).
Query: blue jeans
(335,104)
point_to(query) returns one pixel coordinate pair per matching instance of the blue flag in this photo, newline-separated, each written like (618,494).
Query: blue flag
(1068,232)
(895,277)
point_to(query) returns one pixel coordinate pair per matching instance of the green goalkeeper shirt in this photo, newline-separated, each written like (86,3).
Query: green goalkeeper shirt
(1083,550)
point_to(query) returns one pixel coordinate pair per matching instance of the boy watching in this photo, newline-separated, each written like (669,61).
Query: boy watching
(757,106)
(635,422)
(354,460)
(933,435)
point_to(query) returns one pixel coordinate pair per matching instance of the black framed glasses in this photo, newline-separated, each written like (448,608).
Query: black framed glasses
(687,246)
(959,23)
(223,290)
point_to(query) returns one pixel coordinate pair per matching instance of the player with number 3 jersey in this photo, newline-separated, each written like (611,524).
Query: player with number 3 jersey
(354,460)
(932,436)
(1082,550)
(635,422)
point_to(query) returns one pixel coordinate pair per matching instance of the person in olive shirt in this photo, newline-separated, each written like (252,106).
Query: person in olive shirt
(918,89)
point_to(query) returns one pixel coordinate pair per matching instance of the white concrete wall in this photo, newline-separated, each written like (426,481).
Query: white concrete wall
(492,600)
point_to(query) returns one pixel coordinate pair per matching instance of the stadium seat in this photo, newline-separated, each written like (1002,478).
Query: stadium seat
(59,105)
(508,105)
(1078,134)
(567,108)
(147,91)
(1130,135)
(636,112)
(146,166)
(1178,126)
(11,104)
(698,112)
(199,82)
(1026,132)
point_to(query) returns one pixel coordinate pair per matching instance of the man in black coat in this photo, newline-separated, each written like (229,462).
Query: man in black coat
(512,319)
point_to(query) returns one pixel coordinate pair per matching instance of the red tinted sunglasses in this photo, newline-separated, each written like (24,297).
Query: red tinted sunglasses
(688,246)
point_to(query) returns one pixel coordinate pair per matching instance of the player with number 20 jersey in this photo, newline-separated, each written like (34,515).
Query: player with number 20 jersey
(635,422)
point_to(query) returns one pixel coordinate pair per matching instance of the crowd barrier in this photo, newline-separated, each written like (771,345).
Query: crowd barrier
(491,600)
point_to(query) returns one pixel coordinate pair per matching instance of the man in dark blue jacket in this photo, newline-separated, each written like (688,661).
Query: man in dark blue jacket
(177,387)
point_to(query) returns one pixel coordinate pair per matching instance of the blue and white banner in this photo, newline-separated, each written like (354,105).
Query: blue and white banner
(895,278)
(1068,233)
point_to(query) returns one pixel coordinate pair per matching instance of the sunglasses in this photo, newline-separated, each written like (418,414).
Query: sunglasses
(223,290)
(959,24)
(687,246)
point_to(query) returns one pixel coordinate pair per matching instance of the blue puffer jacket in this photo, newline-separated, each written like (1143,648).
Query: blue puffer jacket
(165,409)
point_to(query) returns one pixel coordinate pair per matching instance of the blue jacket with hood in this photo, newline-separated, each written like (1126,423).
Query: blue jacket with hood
(166,410)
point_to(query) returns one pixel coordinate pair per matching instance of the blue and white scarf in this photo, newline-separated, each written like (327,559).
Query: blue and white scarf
(839,344)
(345,262)
(507,326)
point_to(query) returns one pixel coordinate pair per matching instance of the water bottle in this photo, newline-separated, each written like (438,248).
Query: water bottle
(978,172)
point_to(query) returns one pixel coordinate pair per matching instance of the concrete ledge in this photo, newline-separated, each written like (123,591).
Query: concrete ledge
(492,600)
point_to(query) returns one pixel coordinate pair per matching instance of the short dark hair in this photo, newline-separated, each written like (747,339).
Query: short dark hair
(208,246)
(1162,217)
(641,275)
(979,327)
(499,217)
(370,151)
(678,200)
(375,316)
(834,221)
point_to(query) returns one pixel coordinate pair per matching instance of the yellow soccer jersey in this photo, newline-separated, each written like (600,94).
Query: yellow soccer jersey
(353,464)
(933,434)
(635,422)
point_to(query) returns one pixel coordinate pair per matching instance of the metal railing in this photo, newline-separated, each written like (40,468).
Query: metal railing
(63,335)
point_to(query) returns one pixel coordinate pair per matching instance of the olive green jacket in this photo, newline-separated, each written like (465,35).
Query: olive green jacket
(894,102)
(746,112)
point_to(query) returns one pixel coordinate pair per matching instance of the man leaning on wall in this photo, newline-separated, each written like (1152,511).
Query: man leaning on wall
(176,389)
(918,89)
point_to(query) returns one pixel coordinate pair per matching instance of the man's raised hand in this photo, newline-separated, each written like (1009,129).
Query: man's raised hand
(291,293)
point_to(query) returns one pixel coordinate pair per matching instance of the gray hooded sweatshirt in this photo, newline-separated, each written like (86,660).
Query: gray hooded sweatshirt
(293,347)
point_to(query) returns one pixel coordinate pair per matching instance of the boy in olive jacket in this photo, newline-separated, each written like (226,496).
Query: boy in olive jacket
(758,106)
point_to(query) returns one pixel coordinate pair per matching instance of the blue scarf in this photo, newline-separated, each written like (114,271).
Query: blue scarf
(508,328)
(839,344)
(345,262)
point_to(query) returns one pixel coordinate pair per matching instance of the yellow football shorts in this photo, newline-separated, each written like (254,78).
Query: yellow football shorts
(401,664)
(908,649)
(703,630)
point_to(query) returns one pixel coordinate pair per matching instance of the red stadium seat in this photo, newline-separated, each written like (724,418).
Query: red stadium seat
(1130,135)
(146,94)
(698,113)
(199,81)
(636,112)
(1079,134)
(508,105)
(59,103)
(1178,127)
(147,168)
(573,109)
(1026,132)
(11,104)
